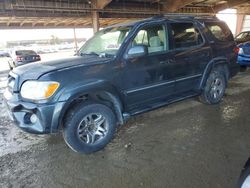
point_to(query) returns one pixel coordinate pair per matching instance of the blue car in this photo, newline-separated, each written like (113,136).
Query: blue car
(244,55)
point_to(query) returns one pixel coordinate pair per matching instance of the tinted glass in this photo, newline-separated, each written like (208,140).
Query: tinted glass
(185,35)
(25,52)
(220,31)
(107,41)
(154,37)
(243,35)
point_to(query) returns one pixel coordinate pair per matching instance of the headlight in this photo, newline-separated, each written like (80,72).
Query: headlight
(38,90)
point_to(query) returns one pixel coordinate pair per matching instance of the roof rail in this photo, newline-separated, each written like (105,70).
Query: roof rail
(186,15)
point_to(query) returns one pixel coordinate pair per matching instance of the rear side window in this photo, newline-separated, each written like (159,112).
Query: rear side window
(220,31)
(185,35)
(25,52)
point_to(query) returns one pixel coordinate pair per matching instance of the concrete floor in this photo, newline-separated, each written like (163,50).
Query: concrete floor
(184,145)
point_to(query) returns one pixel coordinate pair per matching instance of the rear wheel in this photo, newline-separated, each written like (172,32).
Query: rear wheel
(89,127)
(243,68)
(215,87)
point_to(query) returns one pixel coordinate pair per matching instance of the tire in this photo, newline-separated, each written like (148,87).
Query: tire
(243,68)
(215,87)
(244,178)
(89,127)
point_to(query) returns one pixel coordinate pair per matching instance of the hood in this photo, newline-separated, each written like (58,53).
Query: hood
(244,45)
(37,69)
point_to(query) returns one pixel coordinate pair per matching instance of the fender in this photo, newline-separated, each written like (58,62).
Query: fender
(214,62)
(90,86)
(101,88)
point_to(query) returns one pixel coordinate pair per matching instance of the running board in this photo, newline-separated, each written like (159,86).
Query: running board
(158,105)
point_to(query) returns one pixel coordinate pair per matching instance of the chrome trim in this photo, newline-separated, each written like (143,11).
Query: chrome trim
(161,84)
(189,77)
(148,87)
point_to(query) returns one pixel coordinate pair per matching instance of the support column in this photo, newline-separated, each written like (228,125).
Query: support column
(75,40)
(240,21)
(95,21)
(95,16)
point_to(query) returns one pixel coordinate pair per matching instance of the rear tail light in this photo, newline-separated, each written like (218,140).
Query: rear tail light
(19,58)
(236,50)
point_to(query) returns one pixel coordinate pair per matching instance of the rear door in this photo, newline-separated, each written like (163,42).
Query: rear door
(191,53)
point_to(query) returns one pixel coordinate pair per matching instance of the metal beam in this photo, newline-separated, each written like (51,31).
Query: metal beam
(172,6)
(228,4)
(9,21)
(101,4)
(22,23)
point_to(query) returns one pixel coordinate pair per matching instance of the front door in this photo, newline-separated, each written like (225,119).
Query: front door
(148,80)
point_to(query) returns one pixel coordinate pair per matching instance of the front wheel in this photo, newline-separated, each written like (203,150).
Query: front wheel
(215,87)
(89,127)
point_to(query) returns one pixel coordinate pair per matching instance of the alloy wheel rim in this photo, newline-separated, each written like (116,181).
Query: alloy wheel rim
(216,89)
(92,129)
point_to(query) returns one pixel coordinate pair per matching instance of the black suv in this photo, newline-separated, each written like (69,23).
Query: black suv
(124,70)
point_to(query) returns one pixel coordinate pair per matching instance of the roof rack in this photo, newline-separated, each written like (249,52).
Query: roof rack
(186,15)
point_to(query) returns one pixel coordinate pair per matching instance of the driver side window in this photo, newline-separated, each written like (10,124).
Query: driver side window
(154,37)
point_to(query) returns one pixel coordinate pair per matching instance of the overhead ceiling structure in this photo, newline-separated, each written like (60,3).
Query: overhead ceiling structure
(95,13)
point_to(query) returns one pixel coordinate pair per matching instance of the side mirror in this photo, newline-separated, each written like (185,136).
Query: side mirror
(137,51)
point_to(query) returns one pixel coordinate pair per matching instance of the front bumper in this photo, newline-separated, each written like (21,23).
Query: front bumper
(46,115)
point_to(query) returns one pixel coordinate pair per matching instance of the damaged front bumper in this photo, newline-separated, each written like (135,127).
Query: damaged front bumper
(32,117)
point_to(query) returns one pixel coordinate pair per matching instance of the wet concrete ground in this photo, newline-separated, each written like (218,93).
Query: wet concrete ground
(184,145)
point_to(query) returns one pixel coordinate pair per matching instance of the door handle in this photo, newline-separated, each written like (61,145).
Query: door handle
(168,61)
(171,61)
(164,62)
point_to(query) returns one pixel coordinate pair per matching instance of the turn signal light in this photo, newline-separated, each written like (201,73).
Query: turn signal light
(51,89)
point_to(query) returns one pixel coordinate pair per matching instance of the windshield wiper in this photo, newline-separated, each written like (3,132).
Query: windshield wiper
(90,53)
(104,54)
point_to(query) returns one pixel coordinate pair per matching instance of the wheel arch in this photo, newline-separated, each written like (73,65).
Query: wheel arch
(103,94)
(216,62)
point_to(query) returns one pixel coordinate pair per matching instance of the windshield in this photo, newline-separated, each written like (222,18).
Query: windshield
(243,35)
(105,42)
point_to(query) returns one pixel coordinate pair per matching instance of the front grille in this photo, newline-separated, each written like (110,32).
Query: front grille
(246,50)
